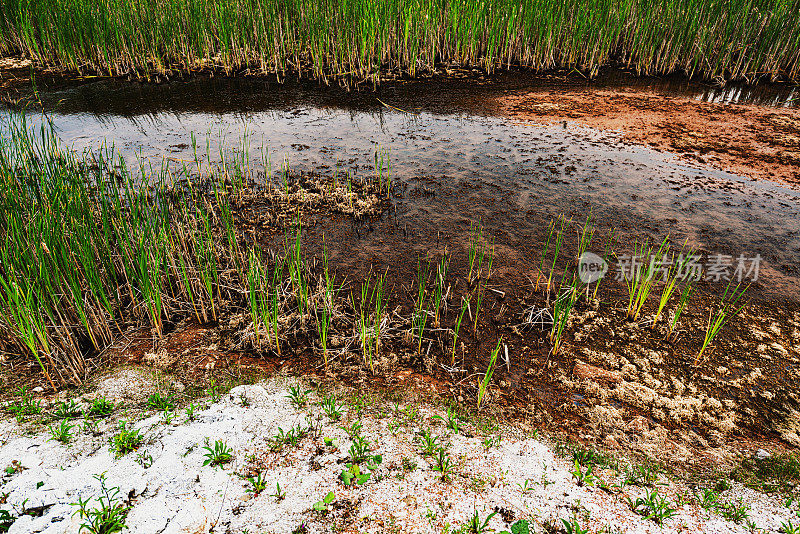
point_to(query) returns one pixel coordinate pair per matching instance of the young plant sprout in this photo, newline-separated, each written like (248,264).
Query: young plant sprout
(483,385)
(726,309)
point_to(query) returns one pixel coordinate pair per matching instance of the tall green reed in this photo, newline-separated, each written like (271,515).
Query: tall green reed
(358,40)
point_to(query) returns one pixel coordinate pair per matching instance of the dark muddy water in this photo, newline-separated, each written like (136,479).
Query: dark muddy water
(457,160)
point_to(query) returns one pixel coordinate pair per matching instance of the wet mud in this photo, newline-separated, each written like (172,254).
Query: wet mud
(740,138)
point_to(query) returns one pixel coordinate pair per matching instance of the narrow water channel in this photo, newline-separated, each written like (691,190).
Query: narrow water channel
(458,160)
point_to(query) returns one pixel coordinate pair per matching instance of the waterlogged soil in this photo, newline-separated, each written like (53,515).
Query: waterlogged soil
(499,151)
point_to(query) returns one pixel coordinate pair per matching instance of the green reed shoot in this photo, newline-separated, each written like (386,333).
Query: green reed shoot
(483,385)
(643,275)
(207,258)
(608,251)
(254,292)
(420,317)
(439,287)
(676,269)
(272,310)
(727,308)
(382,170)
(489,259)
(555,235)
(457,328)
(380,305)
(682,302)
(586,235)
(476,250)
(562,308)
(363,321)
(478,301)
(323,317)
(297,270)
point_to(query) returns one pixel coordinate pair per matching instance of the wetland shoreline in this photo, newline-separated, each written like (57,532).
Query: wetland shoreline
(611,373)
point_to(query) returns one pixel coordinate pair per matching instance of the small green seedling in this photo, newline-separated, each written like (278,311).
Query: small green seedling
(325,504)
(221,454)
(279,493)
(61,432)
(101,407)
(109,517)
(161,403)
(67,410)
(298,397)
(257,484)
(127,440)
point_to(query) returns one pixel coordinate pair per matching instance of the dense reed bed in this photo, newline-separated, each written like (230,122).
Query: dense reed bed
(88,251)
(360,39)
(91,249)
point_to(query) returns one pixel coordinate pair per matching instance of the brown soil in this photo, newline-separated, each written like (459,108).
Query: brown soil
(755,141)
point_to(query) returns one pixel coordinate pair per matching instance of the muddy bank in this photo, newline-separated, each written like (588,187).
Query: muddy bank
(746,139)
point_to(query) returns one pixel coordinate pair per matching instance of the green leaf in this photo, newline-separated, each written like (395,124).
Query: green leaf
(329,497)
(320,506)
(346,476)
(521,527)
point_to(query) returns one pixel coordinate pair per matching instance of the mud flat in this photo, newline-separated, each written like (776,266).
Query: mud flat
(750,140)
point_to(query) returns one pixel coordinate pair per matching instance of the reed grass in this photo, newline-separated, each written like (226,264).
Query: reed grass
(646,263)
(293,250)
(586,235)
(383,175)
(476,251)
(562,309)
(420,315)
(726,309)
(676,268)
(676,314)
(323,317)
(555,234)
(439,292)
(457,328)
(323,313)
(608,250)
(363,321)
(379,298)
(255,293)
(91,247)
(360,39)
(478,298)
(371,310)
(483,385)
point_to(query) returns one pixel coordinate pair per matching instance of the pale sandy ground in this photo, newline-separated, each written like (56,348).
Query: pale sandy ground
(178,494)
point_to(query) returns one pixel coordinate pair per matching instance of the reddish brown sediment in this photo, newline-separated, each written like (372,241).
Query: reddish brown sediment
(750,140)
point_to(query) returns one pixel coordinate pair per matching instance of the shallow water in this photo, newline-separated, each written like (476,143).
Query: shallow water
(458,159)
